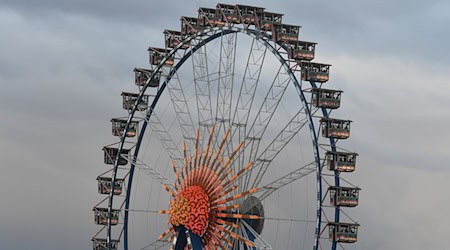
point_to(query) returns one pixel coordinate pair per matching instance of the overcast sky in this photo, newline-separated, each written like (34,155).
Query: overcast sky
(63,65)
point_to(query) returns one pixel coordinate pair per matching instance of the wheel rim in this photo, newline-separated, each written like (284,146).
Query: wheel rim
(254,33)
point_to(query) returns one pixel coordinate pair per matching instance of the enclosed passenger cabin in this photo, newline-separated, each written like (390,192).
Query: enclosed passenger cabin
(157,55)
(207,18)
(102,244)
(344,196)
(335,128)
(227,13)
(316,72)
(268,19)
(173,38)
(326,98)
(301,50)
(105,185)
(249,14)
(119,124)
(101,216)
(341,161)
(285,32)
(141,77)
(343,232)
(189,26)
(110,155)
(129,101)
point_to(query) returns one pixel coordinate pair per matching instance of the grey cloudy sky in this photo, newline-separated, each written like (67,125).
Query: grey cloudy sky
(63,65)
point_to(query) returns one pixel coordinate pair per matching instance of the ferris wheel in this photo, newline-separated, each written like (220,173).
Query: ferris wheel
(229,143)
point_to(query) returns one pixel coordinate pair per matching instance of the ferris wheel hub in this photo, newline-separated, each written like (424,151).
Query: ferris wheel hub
(191,209)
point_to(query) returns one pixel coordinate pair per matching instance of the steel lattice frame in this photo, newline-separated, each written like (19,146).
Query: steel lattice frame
(239,118)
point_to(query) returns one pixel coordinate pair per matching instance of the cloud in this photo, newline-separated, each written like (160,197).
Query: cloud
(64,64)
(398,105)
(400,203)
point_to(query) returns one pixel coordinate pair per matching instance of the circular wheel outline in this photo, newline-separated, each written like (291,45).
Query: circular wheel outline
(218,32)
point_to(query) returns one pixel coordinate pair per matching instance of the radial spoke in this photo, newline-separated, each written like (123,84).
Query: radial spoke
(287,179)
(264,116)
(247,92)
(202,87)
(289,219)
(226,77)
(250,82)
(225,83)
(266,111)
(259,241)
(154,174)
(278,144)
(165,139)
(275,185)
(181,108)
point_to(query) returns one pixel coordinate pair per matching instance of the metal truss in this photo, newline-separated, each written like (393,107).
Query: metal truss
(247,92)
(202,87)
(163,180)
(173,151)
(265,114)
(267,110)
(226,77)
(181,107)
(225,84)
(287,179)
(277,145)
(249,82)
(275,185)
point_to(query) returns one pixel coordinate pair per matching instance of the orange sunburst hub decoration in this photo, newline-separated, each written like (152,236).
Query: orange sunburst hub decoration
(204,196)
(191,209)
(179,211)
